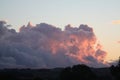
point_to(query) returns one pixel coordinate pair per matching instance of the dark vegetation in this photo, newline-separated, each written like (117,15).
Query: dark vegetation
(77,72)
(115,70)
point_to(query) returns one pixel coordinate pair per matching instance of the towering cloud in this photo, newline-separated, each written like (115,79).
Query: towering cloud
(45,45)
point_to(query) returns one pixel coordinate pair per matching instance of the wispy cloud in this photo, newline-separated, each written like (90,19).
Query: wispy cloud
(118,41)
(116,22)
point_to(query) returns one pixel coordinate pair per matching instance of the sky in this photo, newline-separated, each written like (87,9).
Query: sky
(102,15)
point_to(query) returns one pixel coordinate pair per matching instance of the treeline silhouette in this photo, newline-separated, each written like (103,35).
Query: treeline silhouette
(76,72)
(115,70)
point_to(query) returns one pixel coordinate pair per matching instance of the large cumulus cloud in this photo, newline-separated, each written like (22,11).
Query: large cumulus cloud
(45,45)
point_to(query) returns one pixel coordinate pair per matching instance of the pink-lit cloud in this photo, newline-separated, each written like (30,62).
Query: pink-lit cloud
(45,45)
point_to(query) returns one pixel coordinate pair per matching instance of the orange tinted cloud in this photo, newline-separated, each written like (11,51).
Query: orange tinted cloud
(118,41)
(116,22)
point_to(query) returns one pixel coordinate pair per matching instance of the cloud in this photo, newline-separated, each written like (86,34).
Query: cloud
(113,62)
(118,41)
(45,45)
(116,22)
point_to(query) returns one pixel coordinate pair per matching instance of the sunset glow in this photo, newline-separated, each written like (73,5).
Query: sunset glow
(44,33)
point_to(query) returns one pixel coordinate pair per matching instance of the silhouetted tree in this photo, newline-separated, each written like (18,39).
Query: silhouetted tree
(115,70)
(119,62)
(83,72)
(77,72)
